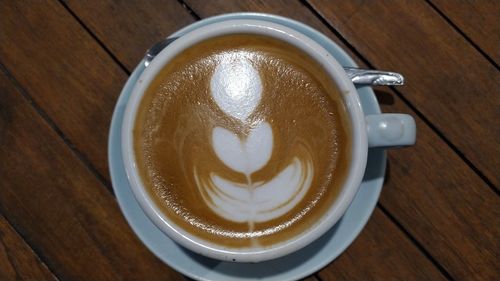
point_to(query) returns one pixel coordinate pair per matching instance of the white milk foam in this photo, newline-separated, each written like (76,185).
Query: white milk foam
(245,156)
(236,87)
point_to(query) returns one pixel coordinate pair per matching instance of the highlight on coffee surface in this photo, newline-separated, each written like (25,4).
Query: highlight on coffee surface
(242,140)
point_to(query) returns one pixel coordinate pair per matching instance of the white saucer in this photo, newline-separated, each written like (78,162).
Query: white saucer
(294,266)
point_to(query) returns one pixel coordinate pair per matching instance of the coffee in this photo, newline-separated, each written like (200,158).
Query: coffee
(242,140)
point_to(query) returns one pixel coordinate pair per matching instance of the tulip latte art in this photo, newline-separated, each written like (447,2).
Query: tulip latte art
(242,140)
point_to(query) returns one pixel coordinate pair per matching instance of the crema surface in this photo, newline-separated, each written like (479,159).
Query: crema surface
(242,140)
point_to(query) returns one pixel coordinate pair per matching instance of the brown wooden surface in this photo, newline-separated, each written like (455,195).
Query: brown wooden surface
(381,252)
(64,65)
(59,207)
(442,69)
(444,205)
(54,58)
(478,20)
(17,260)
(127,29)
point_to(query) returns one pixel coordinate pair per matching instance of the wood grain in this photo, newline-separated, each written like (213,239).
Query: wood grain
(443,204)
(378,254)
(479,20)
(60,207)
(17,259)
(129,28)
(448,80)
(64,70)
(106,22)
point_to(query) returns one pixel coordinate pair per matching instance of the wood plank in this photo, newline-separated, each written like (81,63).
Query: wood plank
(378,254)
(479,20)
(447,80)
(59,206)
(444,204)
(64,70)
(107,22)
(464,190)
(17,259)
(129,28)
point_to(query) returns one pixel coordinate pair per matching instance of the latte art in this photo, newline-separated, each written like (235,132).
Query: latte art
(236,86)
(237,89)
(241,140)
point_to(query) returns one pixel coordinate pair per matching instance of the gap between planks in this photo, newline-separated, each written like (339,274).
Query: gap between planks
(459,31)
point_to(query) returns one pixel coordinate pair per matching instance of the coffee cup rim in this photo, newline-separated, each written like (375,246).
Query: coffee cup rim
(359,148)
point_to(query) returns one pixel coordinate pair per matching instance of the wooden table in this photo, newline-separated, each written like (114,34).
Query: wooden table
(63,64)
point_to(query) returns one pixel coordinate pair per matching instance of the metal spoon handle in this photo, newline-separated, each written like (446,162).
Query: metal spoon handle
(358,76)
(156,49)
(373,77)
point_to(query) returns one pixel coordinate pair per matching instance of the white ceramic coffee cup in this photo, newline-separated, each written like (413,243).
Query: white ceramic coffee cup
(382,130)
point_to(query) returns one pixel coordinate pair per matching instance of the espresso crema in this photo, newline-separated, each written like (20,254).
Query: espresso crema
(243,140)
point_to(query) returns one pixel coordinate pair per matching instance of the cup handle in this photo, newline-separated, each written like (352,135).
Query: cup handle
(390,130)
